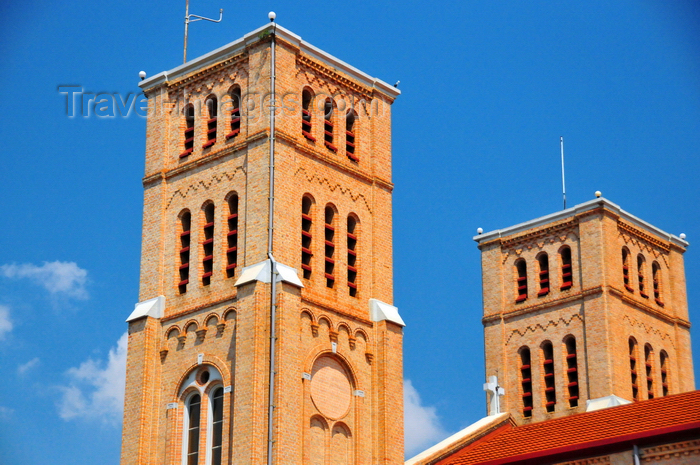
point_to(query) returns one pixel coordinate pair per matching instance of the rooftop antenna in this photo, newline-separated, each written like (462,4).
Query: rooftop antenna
(188,20)
(563,181)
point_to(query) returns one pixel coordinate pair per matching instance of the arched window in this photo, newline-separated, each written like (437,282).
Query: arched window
(550,392)
(232,236)
(543,261)
(521,269)
(640,275)
(352,256)
(350,135)
(329,246)
(571,370)
(626,269)
(306,236)
(567,277)
(208,244)
(189,130)
(193,406)
(663,357)
(526,381)
(656,276)
(649,365)
(307,99)
(203,418)
(184,250)
(216,422)
(328,126)
(634,368)
(235,113)
(213,111)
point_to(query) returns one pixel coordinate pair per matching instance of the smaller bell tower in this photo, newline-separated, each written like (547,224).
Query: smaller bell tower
(585,304)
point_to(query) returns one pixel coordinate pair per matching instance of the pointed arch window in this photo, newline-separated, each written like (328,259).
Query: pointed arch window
(550,392)
(521,270)
(634,368)
(649,369)
(656,277)
(328,126)
(232,236)
(571,371)
(306,102)
(526,381)
(567,277)
(543,261)
(626,269)
(184,238)
(352,256)
(208,244)
(329,244)
(235,113)
(306,236)
(213,111)
(641,263)
(350,135)
(189,131)
(663,358)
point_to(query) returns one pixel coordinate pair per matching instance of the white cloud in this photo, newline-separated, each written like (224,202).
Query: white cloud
(96,388)
(422,428)
(5,412)
(25,367)
(59,278)
(5,322)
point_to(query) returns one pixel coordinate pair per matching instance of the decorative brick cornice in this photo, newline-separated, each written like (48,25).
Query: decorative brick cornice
(665,452)
(533,236)
(330,75)
(544,327)
(333,186)
(205,73)
(187,311)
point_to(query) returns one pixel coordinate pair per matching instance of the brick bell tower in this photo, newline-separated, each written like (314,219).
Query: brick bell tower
(265,331)
(587,304)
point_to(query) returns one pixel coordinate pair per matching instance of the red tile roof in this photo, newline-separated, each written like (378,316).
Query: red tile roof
(675,414)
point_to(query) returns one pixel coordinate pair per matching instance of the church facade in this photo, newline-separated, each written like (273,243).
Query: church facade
(265,331)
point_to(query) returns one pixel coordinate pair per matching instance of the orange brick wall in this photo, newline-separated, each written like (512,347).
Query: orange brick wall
(597,310)
(229,326)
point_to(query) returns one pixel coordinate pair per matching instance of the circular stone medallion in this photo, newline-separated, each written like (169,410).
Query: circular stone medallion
(330,388)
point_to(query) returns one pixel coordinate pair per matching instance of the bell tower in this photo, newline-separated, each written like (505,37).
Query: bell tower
(584,308)
(265,331)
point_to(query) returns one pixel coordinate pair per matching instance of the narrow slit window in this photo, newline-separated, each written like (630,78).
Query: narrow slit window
(634,368)
(526,381)
(566,271)
(213,111)
(329,246)
(521,280)
(550,392)
(543,261)
(232,236)
(350,136)
(184,242)
(193,412)
(649,368)
(189,131)
(663,358)
(640,276)
(352,256)
(656,276)
(328,126)
(235,114)
(217,415)
(306,102)
(208,245)
(572,371)
(306,237)
(626,269)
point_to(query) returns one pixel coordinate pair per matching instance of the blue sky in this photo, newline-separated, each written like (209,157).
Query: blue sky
(488,89)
